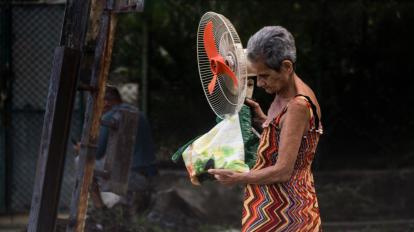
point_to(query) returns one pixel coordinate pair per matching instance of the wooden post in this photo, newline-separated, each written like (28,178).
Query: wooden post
(94,105)
(54,140)
(71,61)
(144,72)
(57,118)
(93,113)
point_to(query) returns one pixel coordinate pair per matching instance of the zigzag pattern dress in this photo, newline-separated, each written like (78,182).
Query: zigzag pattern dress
(289,206)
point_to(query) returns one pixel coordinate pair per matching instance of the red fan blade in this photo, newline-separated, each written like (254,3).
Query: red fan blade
(223,68)
(217,63)
(208,39)
(212,84)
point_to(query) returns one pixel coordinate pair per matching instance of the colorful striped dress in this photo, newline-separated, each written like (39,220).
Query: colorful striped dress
(288,206)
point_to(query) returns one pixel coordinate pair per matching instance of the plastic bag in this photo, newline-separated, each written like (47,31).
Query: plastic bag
(222,147)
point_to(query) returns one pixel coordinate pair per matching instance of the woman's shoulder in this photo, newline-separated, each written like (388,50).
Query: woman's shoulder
(298,105)
(310,96)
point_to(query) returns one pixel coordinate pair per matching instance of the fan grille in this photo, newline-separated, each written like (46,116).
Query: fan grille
(225,99)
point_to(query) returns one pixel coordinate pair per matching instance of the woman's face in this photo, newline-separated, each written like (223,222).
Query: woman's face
(271,80)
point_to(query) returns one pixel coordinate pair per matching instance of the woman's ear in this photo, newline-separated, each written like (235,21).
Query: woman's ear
(287,65)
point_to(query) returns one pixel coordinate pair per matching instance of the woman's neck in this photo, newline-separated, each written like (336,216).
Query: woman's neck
(290,90)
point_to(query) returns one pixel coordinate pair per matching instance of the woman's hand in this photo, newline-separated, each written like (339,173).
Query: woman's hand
(258,117)
(227,177)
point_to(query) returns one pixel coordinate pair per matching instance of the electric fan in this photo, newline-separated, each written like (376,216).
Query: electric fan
(222,64)
(223,72)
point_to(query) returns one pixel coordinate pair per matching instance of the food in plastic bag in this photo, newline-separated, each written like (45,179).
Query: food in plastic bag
(222,147)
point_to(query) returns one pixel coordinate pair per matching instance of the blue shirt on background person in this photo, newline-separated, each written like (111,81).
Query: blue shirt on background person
(143,161)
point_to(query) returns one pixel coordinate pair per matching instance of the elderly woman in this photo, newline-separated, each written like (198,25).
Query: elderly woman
(280,193)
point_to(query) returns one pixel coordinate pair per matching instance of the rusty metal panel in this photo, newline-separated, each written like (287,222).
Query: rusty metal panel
(94,106)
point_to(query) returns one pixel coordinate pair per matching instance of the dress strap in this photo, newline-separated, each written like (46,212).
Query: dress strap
(311,106)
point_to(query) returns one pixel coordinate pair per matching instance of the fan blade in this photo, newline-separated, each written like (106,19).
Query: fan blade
(223,68)
(208,39)
(218,65)
(212,84)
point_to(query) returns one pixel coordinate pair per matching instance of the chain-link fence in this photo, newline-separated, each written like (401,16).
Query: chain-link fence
(36,32)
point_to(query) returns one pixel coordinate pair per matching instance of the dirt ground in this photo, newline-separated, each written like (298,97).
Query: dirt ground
(349,201)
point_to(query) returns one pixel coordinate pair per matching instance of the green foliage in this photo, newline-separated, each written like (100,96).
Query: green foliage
(355,55)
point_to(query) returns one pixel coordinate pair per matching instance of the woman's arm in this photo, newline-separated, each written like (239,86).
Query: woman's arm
(293,127)
(258,116)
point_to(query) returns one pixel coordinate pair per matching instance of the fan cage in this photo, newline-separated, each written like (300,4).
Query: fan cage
(224,100)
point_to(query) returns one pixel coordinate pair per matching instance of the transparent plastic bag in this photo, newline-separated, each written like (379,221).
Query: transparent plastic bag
(222,148)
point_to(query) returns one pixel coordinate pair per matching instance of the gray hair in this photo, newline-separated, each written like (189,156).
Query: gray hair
(272,45)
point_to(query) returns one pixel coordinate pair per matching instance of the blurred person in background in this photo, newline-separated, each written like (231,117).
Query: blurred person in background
(143,166)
